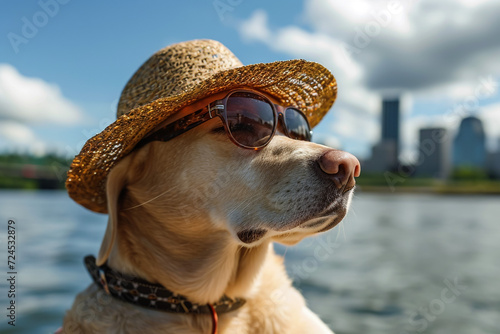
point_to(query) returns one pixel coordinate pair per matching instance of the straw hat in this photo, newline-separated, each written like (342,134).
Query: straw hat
(175,77)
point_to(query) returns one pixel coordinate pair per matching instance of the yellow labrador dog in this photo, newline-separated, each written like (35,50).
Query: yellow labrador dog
(198,215)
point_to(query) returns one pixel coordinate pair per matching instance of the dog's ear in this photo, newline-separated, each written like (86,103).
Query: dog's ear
(114,185)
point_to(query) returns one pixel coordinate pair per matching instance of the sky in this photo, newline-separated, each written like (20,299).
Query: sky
(63,63)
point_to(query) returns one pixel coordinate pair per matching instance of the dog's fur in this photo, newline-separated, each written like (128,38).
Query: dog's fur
(198,215)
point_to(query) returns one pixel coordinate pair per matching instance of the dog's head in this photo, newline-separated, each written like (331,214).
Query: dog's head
(201,184)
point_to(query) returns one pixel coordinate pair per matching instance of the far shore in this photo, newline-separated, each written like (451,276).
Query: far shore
(436,190)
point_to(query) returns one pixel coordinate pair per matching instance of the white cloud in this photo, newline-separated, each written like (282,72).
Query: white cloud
(302,44)
(256,27)
(16,133)
(33,101)
(350,125)
(353,98)
(426,50)
(328,140)
(490,115)
(416,44)
(17,136)
(403,45)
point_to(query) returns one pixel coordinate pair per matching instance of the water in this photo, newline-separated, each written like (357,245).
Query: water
(386,269)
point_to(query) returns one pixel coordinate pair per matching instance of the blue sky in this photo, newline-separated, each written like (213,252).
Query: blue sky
(63,63)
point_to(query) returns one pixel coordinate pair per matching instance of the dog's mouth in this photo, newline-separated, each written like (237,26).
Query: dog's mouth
(328,216)
(326,220)
(323,222)
(310,223)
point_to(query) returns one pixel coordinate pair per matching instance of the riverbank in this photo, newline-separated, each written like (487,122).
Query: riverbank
(431,186)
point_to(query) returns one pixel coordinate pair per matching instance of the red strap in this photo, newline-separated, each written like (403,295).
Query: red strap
(215,319)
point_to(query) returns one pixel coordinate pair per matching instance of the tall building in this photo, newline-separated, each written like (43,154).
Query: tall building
(390,122)
(383,158)
(386,152)
(469,146)
(434,148)
(494,162)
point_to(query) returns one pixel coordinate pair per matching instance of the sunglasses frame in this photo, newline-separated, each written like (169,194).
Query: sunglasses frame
(219,108)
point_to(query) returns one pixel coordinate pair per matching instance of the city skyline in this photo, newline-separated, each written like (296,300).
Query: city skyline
(441,151)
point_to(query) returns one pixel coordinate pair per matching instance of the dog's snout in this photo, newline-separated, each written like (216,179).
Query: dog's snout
(341,167)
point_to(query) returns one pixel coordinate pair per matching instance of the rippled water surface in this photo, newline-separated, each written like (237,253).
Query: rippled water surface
(398,264)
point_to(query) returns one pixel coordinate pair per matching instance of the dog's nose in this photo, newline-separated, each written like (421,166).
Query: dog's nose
(341,167)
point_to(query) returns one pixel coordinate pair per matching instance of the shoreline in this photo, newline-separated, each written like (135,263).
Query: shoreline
(432,190)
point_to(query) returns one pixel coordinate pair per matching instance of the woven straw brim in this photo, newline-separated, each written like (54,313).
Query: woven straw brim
(307,85)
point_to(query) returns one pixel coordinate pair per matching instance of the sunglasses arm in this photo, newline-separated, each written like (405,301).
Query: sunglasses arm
(180,126)
(216,109)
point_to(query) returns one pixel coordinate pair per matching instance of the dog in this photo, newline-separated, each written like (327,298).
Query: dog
(199,216)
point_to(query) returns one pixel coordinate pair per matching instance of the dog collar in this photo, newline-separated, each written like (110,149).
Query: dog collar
(140,292)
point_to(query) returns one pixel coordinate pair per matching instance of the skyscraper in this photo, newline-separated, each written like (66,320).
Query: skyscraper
(469,148)
(434,160)
(386,152)
(494,162)
(390,121)
(390,128)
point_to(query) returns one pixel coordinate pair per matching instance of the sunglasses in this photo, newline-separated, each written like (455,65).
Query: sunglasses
(250,120)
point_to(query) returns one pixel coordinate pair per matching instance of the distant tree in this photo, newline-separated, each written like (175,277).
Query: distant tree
(469,173)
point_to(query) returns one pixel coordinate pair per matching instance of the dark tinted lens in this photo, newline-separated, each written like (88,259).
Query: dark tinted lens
(250,119)
(296,125)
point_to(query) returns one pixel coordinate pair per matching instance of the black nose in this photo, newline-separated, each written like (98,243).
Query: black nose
(340,167)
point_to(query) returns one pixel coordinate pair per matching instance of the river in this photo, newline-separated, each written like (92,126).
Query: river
(397,264)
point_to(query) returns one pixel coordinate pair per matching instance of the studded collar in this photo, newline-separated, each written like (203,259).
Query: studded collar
(140,292)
